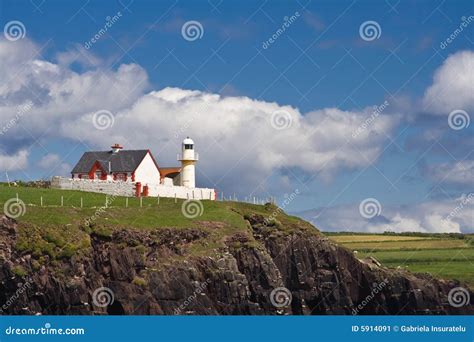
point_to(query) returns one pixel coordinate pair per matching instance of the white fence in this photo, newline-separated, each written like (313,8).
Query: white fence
(119,188)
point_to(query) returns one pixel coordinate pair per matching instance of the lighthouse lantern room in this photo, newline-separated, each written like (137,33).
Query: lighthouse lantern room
(188,159)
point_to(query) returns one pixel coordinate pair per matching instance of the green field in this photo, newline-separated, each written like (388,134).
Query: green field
(442,255)
(60,227)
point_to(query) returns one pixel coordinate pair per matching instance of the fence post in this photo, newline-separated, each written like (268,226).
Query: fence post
(17,199)
(175,201)
(41,201)
(158,200)
(106,204)
(82,204)
(126,202)
(141,201)
(62,201)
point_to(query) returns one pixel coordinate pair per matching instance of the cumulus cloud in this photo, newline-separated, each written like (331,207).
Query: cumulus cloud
(460,173)
(237,137)
(17,161)
(54,165)
(444,216)
(453,85)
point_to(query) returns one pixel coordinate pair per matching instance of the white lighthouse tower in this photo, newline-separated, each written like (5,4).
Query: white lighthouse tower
(188,161)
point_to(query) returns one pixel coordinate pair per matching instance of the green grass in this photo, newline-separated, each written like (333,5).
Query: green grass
(63,231)
(444,256)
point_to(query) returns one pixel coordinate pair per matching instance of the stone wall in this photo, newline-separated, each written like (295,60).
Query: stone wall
(119,188)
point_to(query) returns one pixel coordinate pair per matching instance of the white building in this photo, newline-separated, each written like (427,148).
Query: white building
(138,169)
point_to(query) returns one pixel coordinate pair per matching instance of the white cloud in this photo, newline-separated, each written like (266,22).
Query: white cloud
(48,161)
(453,85)
(461,173)
(443,216)
(17,161)
(53,164)
(234,135)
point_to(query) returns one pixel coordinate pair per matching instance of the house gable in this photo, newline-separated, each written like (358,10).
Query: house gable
(147,171)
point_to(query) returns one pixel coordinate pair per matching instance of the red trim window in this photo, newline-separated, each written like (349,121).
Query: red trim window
(120,177)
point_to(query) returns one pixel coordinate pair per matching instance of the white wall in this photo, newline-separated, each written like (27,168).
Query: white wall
(147,172)
(106,187)
(119,188)
(161,190)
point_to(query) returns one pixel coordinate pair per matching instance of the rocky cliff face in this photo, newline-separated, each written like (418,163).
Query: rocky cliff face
(267,270)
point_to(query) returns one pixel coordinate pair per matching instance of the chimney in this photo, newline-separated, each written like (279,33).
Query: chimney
(116,148)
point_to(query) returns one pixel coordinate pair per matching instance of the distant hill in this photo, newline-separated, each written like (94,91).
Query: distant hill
(208,257)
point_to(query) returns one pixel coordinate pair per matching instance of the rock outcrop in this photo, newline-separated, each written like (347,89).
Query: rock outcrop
(267,270)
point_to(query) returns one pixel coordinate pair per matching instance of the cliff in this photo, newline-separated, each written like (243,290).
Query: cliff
(284,266)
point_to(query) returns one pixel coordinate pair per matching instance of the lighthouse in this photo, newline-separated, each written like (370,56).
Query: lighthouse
(188,160)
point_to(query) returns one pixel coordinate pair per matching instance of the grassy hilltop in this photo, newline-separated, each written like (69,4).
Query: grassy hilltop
(59,229)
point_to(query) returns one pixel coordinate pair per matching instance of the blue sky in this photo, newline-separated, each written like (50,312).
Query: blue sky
(320,71)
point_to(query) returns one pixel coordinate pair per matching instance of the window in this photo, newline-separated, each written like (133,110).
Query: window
(188,146)
(121,176)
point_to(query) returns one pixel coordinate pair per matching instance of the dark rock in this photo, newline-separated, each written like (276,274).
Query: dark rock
(150,272)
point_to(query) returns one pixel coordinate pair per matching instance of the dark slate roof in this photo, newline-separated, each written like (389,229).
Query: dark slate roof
(122,161)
